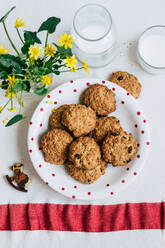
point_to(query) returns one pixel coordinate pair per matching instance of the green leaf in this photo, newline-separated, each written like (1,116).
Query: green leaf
(49,63)
(64,52)
(50,25)
(60,61)
(19,86)
(27,86)
(56,72)
(5,85)
(31,37)
(3,74)
(42,91)
(6,15)
(39,62)
(10,62)
(25,48)
(41,70)
(15,119)
(56,66)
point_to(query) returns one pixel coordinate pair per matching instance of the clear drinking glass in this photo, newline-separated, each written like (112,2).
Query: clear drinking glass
(151,49)
(94,35)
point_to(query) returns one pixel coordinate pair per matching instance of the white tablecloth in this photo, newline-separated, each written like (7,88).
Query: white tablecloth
(131,19)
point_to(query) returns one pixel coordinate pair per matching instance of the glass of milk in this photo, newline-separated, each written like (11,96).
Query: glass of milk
(94,35)
(151,49)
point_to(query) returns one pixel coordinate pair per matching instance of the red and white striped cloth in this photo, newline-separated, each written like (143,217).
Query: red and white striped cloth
(82,218)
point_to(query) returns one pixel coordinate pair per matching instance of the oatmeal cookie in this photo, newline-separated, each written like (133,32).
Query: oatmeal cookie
(55,118)
(86,176)
(119,150)
(55,144)
(105,125)
(100,99)
(128,81)
(79,119)
(85,153)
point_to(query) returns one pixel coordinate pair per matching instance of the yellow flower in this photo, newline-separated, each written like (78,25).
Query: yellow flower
(50,50)
(73,69)
(47,80)
(86,67)
(30,61)
(12,109)
(1,109)
(2,50)
(5,120)
(12,80)
(66,40)
(70,61)
(34,52)
(9,93)
(19,23)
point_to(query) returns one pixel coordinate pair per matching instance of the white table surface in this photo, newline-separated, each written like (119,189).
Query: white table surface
(131,19)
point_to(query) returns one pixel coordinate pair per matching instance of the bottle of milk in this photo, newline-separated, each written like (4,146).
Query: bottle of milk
(94,35)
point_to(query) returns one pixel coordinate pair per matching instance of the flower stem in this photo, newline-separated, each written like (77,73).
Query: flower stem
(19,35)
(5,105)
(12,44)
(44,61)
(46,41)
(20,103)
(21,75)
(11,98)
(70,70)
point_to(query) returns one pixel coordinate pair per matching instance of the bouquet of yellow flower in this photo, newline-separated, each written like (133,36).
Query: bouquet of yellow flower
(30,69)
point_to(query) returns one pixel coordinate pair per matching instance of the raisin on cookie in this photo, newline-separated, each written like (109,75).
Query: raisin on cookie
(85,153)
(100,99)
(86,176)
(105,125)
(127,81)
(55,118)
(79,119)
(119,150)
(55,144)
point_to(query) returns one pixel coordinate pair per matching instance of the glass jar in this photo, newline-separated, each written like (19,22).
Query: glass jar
(94,35)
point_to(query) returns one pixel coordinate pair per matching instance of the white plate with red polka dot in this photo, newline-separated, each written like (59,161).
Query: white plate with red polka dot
(115,179)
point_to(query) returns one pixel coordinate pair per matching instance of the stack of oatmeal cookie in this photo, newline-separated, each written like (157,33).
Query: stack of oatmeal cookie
(85,138)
